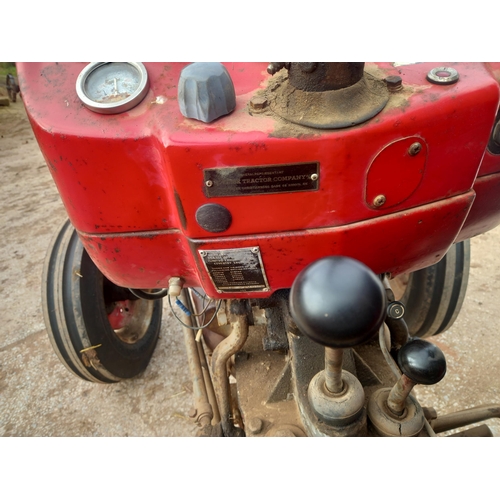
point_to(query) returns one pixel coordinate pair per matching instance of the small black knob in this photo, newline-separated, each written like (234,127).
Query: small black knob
(213,217)
(338,302)
(422,362)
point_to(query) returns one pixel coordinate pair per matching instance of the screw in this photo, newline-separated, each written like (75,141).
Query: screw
(258,103)
(209,184)
(218,291)
(394,83)
(203,253)
(254,425)
(255,250)
(314,177)
(379,200)
(192,413)
(414,149)
(265,289)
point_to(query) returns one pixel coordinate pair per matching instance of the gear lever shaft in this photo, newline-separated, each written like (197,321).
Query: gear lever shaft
(339,303)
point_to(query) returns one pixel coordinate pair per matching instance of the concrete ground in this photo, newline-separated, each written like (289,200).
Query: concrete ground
(39,397)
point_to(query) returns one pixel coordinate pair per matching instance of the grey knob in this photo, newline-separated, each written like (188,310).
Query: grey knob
(206,91)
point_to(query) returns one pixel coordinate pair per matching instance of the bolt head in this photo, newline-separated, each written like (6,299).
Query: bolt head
(414,149)
(209,183)
(192,413)
(379,200)
(394,83)
(254,425)
(314,177)
(258,103)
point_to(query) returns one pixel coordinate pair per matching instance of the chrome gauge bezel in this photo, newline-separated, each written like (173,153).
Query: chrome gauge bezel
(112,107)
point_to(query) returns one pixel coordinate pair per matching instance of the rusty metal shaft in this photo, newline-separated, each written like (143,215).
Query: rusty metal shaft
(397,397)
(465,417)
(325,76)
(333,369)
(201,398)
(229,346)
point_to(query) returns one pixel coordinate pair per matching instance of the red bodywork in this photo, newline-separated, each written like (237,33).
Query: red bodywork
(132,182)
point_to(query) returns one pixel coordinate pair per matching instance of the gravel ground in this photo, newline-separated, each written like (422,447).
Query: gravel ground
(39,397)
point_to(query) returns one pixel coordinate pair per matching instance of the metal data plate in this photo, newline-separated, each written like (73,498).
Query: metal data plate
(241,181)
(236,269)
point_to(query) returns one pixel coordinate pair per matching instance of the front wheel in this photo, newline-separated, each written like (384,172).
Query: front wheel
(434,296)
(101,332)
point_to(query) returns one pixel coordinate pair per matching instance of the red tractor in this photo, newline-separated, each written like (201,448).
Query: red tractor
(308,224)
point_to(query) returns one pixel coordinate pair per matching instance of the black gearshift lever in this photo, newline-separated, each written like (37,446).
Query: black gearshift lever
(337,302)
(395,412)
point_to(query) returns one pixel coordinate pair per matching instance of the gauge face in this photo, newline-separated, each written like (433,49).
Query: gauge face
(112,87)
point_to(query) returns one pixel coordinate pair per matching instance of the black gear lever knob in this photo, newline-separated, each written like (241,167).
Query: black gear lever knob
(421,363)
(395,412)
(338,302)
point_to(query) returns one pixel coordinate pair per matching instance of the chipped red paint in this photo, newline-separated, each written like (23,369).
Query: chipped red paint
(132,183)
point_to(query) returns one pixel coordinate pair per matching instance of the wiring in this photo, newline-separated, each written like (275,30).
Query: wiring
(194,327)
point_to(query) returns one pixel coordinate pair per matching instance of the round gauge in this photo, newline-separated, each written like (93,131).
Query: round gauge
(112,87)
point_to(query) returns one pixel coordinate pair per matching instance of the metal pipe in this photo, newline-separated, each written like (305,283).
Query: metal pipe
(221,355)
(397,397)
(204,412)
(204,365)
(465,417)
(208,384)
(333,369)
(479,431)
(397,372)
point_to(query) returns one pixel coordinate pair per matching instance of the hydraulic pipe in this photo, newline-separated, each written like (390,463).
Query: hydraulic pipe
(221,355)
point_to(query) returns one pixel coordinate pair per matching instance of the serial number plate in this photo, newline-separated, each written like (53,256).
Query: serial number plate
(241,181)
(236,269)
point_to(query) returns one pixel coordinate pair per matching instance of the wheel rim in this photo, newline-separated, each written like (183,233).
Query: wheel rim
(129,318)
